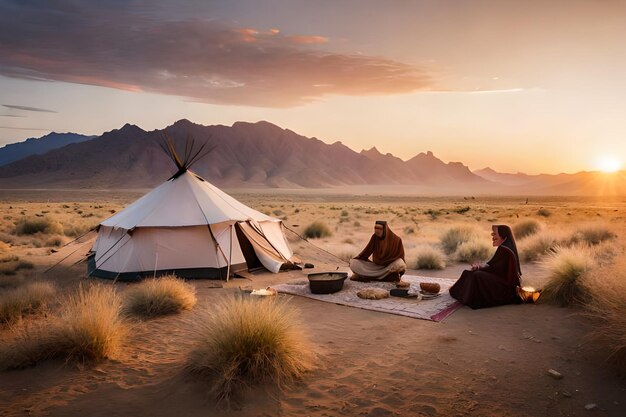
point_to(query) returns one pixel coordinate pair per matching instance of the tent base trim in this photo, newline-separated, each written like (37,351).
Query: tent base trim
(187,273)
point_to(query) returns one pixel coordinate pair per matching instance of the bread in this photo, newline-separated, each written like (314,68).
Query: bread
(371,293)
(430,287)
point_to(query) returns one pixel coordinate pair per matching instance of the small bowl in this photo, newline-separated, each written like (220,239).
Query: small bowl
(430,287)
(399,292)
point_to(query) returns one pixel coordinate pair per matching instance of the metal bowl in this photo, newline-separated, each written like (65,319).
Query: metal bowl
(326,282)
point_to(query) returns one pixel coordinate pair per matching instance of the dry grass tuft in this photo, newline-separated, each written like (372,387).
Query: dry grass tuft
(455,236)
(89,327)
(592,234)
(535,247)
(607,308)
(243,342)
(544,212)
(9,265)
(316,230)
(526,228)
(45,225)
(428,257)
(567,268)
(78,228)
(26,299)
(10,281)
(55,241)
(473,251)
(159,296)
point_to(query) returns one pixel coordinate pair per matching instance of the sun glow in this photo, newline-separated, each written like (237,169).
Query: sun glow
(608,164)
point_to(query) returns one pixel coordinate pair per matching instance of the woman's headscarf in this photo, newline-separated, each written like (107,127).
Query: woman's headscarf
(509,241)
(384,249)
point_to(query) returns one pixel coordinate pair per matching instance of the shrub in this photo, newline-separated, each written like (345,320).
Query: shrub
(55,241)
(428,257)
(30,226)
(25,344)
(461,210)
(544,212)
(9,265)
(567,267)
(317,229)
(607,308)
(347,254)
(454,236)
(526,228)
(536,246)
(592,234)
(473,251)
(344,213)
(159,296)
(10,281)
(26,299)
(242,342)
(77,229)
(88,327)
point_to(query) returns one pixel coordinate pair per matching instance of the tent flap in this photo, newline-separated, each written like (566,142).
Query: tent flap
(269,256)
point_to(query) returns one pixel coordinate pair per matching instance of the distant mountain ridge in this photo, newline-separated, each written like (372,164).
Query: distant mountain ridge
(37,146)
(263,155)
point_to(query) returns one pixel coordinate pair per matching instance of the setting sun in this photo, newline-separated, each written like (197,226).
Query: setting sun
(609,164)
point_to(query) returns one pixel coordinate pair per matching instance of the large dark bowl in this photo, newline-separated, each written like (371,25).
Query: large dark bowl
(326,282)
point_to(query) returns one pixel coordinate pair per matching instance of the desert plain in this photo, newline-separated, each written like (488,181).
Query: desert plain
(489,362)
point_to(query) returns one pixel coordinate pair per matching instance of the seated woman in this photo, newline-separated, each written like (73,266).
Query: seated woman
(498,281)
(387,253)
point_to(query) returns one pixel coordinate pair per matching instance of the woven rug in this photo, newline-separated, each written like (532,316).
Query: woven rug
(435,309)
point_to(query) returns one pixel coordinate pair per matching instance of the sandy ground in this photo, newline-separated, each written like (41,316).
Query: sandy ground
(490,362)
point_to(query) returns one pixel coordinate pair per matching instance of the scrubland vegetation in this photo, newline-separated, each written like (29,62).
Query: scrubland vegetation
(579,247)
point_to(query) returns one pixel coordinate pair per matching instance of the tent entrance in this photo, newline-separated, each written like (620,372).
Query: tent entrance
(247,249)
(257,249)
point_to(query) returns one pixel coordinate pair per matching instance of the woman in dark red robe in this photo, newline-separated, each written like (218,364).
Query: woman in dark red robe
(496,282)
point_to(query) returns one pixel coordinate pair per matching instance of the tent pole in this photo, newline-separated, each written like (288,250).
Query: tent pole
(230,253)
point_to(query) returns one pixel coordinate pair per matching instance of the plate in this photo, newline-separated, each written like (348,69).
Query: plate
(429,295)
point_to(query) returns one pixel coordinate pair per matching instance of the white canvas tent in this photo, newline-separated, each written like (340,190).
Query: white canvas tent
(191,228)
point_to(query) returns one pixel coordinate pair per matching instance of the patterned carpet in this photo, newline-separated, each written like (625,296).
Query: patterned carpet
(435,309)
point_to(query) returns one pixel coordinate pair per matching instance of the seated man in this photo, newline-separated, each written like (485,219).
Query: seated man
(387,256)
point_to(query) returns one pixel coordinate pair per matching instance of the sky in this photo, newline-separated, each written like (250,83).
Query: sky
(519,86)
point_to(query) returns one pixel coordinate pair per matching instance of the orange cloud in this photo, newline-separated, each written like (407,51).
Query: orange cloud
(307,40)
(205,60)
(247,34)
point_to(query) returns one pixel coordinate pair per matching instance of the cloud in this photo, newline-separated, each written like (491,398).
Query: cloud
(26,108)
(308,40)
(506,90)
(23,128)
(203,60)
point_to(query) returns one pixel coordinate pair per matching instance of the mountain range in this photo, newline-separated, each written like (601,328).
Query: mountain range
(263,155)
(37,146)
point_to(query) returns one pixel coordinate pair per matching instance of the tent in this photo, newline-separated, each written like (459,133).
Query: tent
(188,227)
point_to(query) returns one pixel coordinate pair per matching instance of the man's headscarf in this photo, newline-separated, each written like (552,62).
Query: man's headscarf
(384,249)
